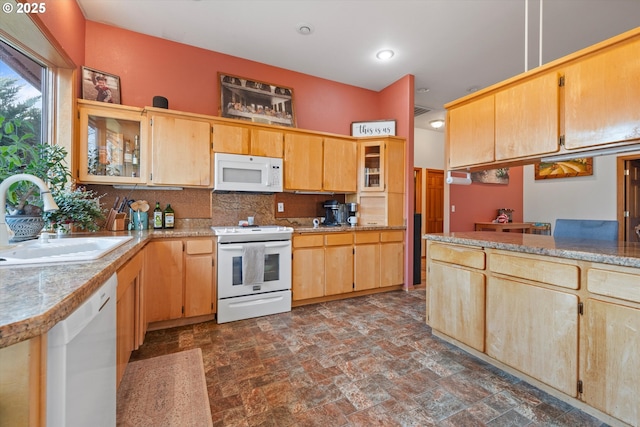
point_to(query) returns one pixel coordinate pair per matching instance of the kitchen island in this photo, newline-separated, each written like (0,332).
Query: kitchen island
(563,314)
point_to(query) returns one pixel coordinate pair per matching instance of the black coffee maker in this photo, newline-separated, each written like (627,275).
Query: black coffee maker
(332,212)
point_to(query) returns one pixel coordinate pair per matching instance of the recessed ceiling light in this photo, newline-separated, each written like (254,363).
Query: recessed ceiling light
(384,55)
(436,124)
(304,29)
(422,90)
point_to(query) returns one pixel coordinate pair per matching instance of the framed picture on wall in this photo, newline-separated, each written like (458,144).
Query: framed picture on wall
(259,102)
(100,86)
(566,169)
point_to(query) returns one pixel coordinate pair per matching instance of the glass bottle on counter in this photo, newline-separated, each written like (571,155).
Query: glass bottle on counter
(157,217)
(168,216)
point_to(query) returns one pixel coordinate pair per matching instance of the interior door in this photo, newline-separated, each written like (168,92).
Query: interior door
(434,212)
(632,200)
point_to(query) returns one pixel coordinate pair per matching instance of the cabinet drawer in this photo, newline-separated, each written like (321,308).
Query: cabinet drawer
(551,273)
(308,240)
(458,255)
(204,246)
(365,237)
(614,284)
(336,239)
(391,236)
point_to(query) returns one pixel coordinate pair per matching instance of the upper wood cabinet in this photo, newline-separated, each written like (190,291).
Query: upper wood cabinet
(470,131)
(112,144)
(245,139)
(524,118)
(180,150)
(602,97)
(340,165)
(303,162)
(527,118)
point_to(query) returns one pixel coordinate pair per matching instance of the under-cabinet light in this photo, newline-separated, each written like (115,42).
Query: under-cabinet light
(592,153)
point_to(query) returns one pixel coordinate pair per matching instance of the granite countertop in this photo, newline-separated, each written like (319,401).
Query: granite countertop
(625,254)
(345,228)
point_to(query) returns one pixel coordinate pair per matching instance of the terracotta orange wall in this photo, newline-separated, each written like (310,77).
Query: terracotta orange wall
(65,22)
(480,202)
(187,77)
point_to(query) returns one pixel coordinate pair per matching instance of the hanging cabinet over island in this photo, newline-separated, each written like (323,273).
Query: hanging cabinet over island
(563,315)
(584,101)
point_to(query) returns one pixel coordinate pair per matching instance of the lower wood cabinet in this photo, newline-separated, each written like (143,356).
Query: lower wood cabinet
(131,324)
(534,330)
(338,263)
(181,279)
(571,325)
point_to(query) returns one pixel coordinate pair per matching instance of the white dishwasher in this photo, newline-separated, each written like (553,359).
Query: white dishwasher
(81,363)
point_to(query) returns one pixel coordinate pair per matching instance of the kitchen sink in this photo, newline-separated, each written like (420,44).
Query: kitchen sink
(73,249)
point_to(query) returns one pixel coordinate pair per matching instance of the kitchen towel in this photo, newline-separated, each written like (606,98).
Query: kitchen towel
(252,263)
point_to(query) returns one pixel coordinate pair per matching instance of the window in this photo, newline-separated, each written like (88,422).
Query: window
(23,94)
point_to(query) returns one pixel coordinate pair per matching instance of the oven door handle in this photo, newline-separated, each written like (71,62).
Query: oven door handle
(268,245)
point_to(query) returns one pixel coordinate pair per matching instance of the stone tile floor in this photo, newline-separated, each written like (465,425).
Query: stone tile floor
(364,361)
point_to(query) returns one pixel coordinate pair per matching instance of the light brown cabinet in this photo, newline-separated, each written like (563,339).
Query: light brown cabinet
(131,322)
(313,162)
(180,150)
(470,132)
(527,118)
(112,144)
(236,138)
(457,286)
(602,97)
(589,99)
(569,325)
(181,279)
(339,263)
(381,182)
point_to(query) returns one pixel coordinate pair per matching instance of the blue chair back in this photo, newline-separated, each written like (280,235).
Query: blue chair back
(586,229)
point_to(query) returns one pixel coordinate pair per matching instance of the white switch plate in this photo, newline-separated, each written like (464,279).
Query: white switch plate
(280,207)
(453,208)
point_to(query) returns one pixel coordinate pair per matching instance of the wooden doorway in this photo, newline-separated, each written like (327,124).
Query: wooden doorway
(628,197)
(434,201)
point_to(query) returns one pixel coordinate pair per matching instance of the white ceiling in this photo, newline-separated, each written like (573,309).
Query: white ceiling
(449,46)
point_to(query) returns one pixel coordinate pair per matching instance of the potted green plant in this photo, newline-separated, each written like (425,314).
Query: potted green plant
(78,208)
(45,161)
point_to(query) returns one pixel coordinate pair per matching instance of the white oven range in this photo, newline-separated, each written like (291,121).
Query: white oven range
(254,271)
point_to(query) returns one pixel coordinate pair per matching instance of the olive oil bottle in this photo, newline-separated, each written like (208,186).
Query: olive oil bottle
(157,217)
(169,216)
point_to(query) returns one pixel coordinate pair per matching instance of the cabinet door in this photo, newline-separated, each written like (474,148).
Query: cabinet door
(394,165)
(610,360)
(125,326)
(527,118)
(267,143)
(602,97)
(230,138)
(534,330)
(340,165)
(302,162)
(470,131)
(366,259)
(181,151)
(391,264)
(372,166)
(338,269)
(163,277)
(198,285)
(456,303)
(308,273)
(112,144)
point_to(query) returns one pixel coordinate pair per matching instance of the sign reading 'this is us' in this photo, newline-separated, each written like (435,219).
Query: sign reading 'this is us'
(375,128)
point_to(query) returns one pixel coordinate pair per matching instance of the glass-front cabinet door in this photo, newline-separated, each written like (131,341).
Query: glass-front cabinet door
(372,166)
(112,143)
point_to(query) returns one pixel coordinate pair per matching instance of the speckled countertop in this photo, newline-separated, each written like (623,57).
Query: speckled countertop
(615,253)
(339,229)
(34,298)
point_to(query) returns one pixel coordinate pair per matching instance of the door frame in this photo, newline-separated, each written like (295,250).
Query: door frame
(621,194)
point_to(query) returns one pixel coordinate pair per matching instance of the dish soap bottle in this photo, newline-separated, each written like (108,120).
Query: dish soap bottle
(157,216)
(168,216)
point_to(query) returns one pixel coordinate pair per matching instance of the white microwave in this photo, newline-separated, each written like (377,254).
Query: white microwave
(237,172)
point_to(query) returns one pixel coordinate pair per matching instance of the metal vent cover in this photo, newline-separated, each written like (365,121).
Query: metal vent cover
(418,110)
